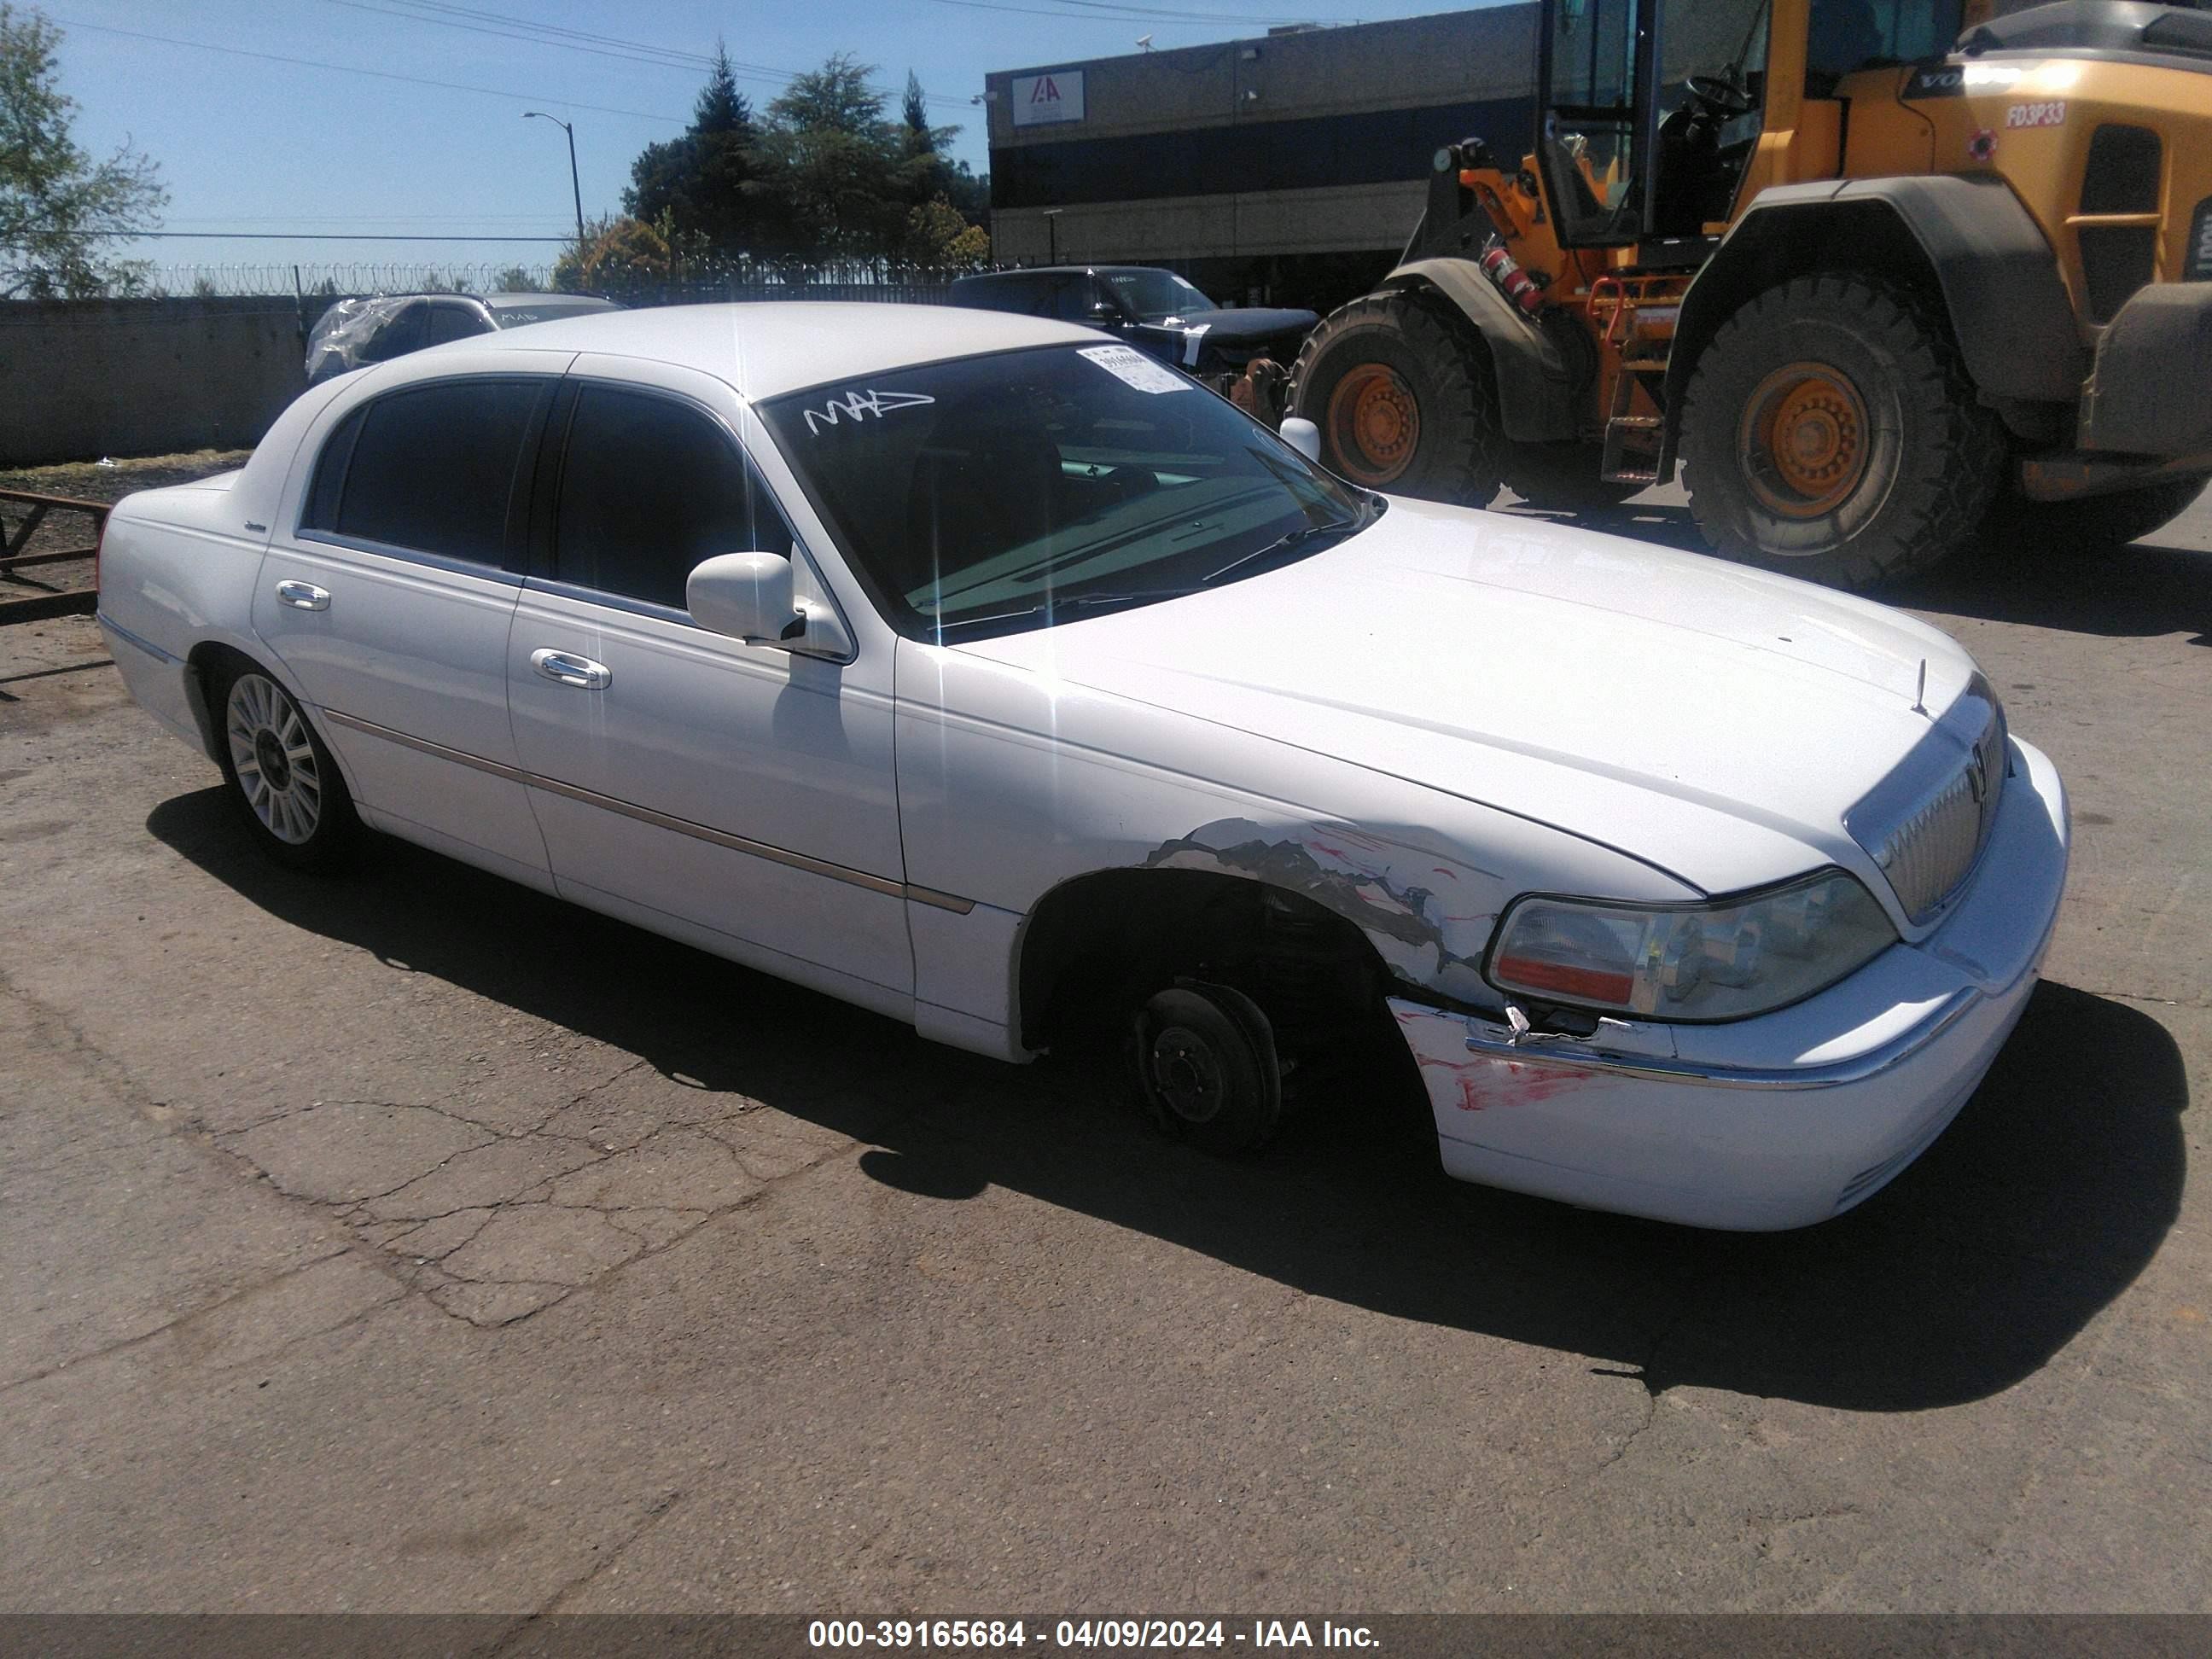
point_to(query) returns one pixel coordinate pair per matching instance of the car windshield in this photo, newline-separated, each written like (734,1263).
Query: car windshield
(998,494)
(1154,295)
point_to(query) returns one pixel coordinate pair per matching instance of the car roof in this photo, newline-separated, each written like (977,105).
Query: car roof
(767,348)
(1051,270)
(559,302)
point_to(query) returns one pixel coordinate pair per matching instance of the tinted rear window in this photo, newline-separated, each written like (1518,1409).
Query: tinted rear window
(433,470)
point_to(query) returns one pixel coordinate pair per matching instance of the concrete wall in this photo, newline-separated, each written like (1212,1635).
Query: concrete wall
(79,379)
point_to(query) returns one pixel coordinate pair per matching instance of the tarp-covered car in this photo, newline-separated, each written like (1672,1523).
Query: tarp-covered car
(375,330)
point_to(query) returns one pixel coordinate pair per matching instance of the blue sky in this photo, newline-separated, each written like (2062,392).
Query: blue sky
(248,145)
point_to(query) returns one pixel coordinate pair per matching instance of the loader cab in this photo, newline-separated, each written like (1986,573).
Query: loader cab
(1652,111)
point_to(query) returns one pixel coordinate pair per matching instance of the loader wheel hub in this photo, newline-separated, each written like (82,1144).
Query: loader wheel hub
(1374,425)
(1802,441)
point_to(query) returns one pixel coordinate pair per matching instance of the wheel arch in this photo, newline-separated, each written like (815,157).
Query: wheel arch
(210,658)
(1535,384)
(1095,934)
(203,663)
(1965,241)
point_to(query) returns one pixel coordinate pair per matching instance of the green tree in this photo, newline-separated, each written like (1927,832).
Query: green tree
(704,182)
(918,138)
(839,167)
(58,207)
(518,279)
(616,257)
(823,174)
(939,239)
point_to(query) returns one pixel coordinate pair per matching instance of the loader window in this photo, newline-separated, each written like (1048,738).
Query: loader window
(1652,111)
(1849,35)
(1588,139)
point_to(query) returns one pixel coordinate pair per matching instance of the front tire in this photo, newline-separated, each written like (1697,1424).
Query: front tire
(1404,400)
(279,775)
(1206,1067)
(1830,432)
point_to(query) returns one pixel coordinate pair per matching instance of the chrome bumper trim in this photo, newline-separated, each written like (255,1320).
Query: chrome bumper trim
(1857,1069)
(759,849)
(130,638)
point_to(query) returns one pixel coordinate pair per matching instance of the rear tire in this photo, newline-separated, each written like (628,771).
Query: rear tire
(2093,525)
(1404,400)
(1830,432)
(278,774)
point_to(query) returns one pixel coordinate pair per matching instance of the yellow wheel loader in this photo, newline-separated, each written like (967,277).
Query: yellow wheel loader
(1873,273)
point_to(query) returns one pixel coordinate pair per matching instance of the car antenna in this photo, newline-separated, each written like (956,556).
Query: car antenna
(1920,691)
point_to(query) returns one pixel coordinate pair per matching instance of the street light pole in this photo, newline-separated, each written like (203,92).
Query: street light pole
(575,188)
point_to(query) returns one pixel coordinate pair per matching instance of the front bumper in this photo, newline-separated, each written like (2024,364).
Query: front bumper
(1772,1122)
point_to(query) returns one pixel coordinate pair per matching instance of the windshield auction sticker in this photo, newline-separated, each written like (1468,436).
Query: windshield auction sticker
(1132,367)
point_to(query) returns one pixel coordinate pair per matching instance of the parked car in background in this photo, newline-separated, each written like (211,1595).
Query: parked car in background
(354,332)
(992,676)
(1244,352)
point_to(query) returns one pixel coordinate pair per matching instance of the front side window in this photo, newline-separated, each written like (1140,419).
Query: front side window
(1846,35)
(650,488)
(1014,491)
(431,468)
(1074,299)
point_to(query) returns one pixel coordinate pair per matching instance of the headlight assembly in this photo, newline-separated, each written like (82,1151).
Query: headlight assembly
(1708,962)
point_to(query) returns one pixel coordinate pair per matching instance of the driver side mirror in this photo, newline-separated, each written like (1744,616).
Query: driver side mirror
(751,597)
(1105,311)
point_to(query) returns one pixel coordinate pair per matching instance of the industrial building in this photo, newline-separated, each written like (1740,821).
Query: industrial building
(1288,169)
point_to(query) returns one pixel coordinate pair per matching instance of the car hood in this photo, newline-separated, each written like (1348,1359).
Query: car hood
(1233,330)
(1706,718)
(1234,323)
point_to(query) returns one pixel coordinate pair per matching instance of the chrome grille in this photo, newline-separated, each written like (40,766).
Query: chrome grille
(1928,855)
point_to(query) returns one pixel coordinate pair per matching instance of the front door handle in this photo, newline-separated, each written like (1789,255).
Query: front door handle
(570,670)
(303,596)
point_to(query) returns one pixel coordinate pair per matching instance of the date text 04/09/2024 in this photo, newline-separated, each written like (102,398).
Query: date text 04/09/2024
(1172,1634)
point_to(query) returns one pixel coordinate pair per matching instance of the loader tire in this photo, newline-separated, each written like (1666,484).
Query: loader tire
(1404,396)
(1830,432)
(2093,525)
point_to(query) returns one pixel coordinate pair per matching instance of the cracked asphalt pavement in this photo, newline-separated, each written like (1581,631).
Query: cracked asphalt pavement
(412,1242)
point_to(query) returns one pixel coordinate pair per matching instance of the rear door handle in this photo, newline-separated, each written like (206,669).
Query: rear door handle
(303,596)
(570,670)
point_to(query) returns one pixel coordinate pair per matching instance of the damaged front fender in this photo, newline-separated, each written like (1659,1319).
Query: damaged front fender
(1429,918)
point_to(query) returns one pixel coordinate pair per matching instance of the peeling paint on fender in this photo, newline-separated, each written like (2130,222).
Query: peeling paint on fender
(1430,923)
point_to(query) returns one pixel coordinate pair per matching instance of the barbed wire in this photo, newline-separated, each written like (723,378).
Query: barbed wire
(355,277)
(327,278)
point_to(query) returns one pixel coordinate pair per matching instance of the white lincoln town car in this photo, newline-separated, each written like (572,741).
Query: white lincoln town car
(1006,682)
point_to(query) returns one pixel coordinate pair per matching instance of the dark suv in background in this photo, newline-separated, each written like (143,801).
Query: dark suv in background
(1243,351)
